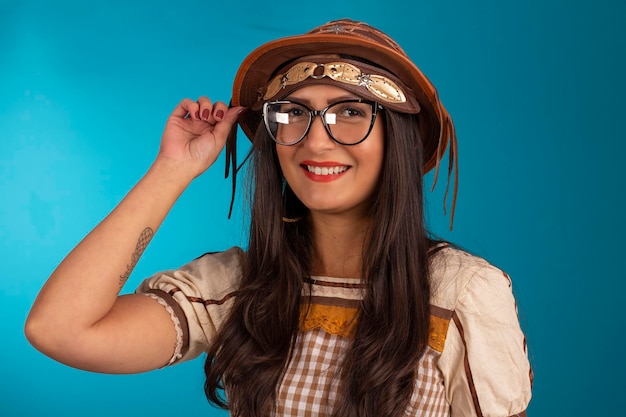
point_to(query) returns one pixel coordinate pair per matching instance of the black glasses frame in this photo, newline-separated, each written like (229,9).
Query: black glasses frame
(322,113)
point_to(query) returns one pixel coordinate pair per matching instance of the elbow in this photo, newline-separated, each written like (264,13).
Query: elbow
(34,331)
(52,341)
(42,335)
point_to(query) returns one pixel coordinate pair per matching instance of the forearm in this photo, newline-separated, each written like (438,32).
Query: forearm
(84,287)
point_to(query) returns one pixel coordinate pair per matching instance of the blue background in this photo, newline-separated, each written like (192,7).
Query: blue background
(536,89)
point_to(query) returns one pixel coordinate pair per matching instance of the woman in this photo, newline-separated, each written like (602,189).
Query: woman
(341,305)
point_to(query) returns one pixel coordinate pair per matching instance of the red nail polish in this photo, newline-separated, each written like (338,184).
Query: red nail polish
(205,114)
(219,114)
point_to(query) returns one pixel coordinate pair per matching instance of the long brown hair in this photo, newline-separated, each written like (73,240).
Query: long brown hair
(252,350)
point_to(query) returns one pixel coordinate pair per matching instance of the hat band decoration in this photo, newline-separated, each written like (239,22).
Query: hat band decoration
(380,86)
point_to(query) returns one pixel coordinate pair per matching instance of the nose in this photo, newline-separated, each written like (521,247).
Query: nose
(318,139)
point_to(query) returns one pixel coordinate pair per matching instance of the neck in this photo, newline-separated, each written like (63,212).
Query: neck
(338,247)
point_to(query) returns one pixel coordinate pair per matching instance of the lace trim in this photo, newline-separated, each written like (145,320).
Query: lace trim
(335,320)
(179,330)
(341,321)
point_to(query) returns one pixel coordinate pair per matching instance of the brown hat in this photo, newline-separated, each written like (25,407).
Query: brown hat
(356,41)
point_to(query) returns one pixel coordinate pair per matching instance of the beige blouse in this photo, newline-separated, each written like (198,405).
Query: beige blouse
(476,363)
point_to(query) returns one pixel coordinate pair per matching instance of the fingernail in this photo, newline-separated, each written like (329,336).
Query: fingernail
(205,114)
(219,114)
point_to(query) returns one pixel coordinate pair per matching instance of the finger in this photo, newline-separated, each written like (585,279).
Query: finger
(233,113)
(218,113)
(205,108)
(186,108)
(223,127)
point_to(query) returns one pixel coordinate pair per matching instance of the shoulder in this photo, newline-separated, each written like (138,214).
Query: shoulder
(213,274)
(484,358)
(455,273)
(227,263)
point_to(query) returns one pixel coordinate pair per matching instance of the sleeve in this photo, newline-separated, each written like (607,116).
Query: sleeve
(198,297)
(485,361)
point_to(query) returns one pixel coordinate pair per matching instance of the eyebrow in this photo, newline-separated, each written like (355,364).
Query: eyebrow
(328,102)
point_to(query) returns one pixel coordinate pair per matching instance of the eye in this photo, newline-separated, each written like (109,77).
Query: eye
(352,110)
(294,112)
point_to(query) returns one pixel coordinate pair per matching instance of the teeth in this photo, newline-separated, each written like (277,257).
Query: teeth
(326,170)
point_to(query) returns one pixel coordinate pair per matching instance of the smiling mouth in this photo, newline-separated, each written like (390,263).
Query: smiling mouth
(326,170)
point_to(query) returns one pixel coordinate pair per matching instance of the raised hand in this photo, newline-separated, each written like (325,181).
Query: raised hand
(196,133)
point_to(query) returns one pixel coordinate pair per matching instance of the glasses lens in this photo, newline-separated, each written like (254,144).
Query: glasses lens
(287,122)
(349,122)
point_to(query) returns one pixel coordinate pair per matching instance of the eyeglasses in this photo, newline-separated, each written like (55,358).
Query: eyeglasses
(348,122)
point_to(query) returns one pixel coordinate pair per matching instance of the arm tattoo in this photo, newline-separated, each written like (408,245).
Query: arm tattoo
(142,243)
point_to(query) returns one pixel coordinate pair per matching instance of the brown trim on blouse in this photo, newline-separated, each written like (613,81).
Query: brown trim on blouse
(203,301)
(508,278)
(331,301)
(468,370)
(180,314)
(437,247)
(441,312)
(334,284)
